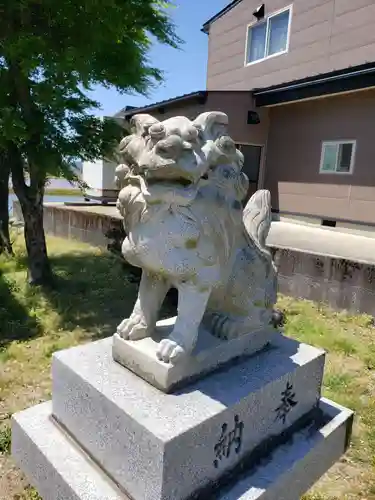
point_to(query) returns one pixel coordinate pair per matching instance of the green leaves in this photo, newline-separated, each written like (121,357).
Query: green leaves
(52,52)
(103,41)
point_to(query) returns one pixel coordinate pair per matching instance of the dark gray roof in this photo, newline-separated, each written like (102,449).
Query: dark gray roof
(334,82)
(206,26)
(131,110)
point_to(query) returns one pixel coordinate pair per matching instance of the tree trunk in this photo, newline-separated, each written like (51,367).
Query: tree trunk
(39,272)
(5,244)
(31,201)
(30,197)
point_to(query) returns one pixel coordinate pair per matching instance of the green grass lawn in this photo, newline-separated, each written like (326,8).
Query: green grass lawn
(63,192)
(94,292)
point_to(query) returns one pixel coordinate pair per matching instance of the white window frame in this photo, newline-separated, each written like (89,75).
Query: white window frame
(353,142)
(266,20)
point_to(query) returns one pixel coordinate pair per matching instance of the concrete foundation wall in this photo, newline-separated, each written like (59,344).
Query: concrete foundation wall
(72,224)
(340,283)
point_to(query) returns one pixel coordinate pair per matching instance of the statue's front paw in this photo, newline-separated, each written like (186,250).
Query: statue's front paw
(170,352)
(133,328)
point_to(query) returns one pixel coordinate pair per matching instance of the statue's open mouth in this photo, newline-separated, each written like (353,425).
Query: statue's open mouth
(171,175)
(179,181)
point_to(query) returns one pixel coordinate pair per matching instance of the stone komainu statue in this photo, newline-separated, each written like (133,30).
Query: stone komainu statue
(181,187)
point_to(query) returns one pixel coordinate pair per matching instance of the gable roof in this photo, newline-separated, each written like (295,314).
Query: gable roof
(206,26)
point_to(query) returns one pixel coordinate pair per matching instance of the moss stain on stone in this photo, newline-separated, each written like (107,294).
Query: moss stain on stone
(191,243)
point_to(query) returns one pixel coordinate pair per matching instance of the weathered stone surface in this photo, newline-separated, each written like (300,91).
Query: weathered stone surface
(58,468)
(181,192)
(209,354)
(166,446)
(53,463)
(298,464)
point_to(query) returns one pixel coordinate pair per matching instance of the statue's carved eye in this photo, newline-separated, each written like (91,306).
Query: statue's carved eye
(162,150)
(228,172)
(166,150)
(170,147)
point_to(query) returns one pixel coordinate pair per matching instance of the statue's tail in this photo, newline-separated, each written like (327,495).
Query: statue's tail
(257,222)
(257,218)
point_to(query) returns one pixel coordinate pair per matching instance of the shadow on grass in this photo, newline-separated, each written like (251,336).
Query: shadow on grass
(15,320)
(95,292)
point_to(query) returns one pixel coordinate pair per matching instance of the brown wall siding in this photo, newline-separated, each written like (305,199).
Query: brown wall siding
(325,35)
(235,105)
(294,150)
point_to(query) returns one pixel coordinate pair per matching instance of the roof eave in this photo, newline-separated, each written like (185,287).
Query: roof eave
(221,13)
(199,95)
(348,79)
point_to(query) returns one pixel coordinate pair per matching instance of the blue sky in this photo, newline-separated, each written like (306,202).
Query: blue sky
(185,69)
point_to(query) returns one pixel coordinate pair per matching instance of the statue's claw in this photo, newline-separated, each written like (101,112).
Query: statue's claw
(133,328)
(170,352)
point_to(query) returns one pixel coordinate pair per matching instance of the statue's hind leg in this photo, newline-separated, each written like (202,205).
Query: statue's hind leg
(142,321)
(192,302)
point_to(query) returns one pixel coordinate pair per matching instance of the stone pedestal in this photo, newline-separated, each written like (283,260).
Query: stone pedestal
(210,354)
(258,429)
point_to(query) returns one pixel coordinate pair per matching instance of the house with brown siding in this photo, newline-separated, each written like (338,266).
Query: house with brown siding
(297,80)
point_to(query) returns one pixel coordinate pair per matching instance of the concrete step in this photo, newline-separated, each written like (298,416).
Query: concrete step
(60,470)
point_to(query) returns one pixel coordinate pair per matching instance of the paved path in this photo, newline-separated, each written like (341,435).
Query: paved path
(321,241)
(309,239)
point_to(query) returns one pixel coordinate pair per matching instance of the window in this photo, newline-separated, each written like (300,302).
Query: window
(337,157)
(268,38)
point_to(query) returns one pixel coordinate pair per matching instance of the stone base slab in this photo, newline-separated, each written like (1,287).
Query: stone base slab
(58,468)
(209,354)
(159,446)
(54,463)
